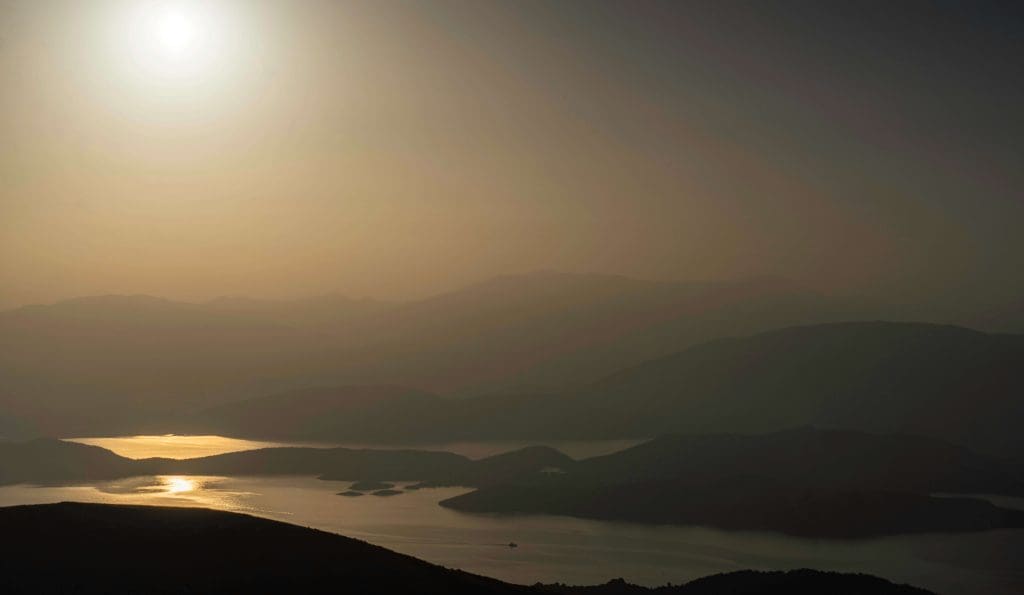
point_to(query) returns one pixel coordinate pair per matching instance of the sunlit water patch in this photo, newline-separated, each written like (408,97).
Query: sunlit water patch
(173,446)
(559,548)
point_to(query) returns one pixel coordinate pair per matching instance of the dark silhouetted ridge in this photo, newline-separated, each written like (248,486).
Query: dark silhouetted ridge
(816,483)
(99,548)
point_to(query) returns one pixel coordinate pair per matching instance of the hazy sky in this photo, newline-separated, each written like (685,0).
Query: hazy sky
(394,149)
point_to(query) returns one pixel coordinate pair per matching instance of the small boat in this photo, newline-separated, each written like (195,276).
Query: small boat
(513,544)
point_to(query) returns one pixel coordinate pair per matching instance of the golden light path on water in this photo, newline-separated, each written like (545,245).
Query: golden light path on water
(222,493)
(172,490)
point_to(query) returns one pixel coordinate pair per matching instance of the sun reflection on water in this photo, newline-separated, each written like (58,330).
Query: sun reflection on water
(177,484)
(171,490)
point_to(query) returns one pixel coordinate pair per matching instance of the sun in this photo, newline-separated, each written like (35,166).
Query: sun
(175,31)
(173,39)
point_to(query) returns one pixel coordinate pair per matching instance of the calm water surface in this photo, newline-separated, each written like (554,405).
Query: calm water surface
(552,548)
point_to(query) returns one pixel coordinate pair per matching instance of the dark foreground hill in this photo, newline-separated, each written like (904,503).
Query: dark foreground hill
(96,548)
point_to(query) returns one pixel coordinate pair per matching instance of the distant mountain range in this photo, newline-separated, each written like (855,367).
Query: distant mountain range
(951,383)
(97,548)
(804,482)
(550,356)
(112,363)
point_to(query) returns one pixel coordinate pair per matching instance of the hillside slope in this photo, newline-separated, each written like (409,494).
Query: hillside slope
(96,548)
(959,385)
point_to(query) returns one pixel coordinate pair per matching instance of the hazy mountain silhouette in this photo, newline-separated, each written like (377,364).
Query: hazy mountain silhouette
(809,457)
(553,330)
(952,383)
(139,364)
(48,461)
(111,363)
(803,482)
(819,458)
(345,464)
(335,463)
(321,314)
(97,548)
(747,504)
(45,461)
(104,362)
(14,429)
(357,412)
(806,457)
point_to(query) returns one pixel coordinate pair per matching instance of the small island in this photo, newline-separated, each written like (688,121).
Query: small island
(370,486)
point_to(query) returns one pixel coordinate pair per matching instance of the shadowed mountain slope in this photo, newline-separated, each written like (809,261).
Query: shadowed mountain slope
(814,458)
(547,331)
(951,383)
(44,461)
(959,385)
(94,548)
(802,482)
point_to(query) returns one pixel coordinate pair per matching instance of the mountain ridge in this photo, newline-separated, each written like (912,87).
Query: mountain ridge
(164,359)
(103,548)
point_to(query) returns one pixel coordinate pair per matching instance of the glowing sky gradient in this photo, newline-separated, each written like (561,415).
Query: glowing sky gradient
(396,149)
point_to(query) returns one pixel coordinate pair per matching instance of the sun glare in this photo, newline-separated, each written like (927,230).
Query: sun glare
(174,38)
(178,485)
(175,31)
